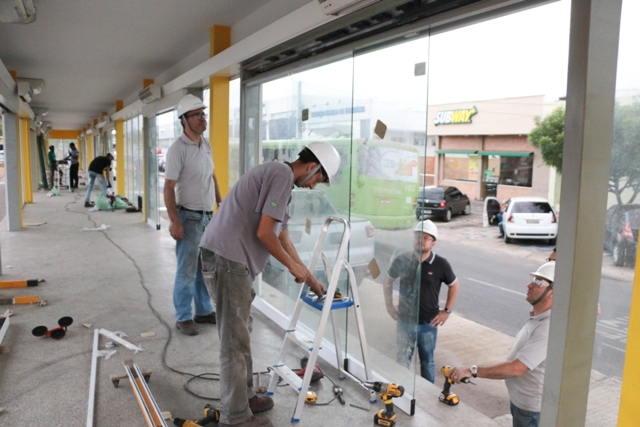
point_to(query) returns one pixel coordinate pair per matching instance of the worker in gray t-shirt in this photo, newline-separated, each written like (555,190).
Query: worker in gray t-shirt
(524,368)
(249,227)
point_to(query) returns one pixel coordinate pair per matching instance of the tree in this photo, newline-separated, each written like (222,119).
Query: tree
(624,178)
(548,137)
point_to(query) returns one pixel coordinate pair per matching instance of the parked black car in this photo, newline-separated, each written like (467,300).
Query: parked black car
(621,233)
(441,202)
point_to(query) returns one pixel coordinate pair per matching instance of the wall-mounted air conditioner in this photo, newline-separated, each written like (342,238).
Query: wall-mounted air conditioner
(104,120)
(24,91)
(333,7)
(17,11)
(150,93)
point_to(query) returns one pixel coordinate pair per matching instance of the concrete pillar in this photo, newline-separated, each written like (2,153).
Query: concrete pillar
(593,52)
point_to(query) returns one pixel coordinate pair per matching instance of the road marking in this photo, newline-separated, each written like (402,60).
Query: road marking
(497,287)
(615,348)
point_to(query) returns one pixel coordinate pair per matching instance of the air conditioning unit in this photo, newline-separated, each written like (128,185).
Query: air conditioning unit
(150,93)
(37,85)
(333,7)
(17,11)
(104,120)
(24,91)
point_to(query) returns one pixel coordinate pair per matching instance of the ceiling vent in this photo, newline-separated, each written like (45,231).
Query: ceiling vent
(17,11)
(150,93)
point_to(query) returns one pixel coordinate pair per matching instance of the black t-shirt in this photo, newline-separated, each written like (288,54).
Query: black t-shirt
(98,164)
(434,271)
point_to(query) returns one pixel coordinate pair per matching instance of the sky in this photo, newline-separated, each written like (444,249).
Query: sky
(521,54)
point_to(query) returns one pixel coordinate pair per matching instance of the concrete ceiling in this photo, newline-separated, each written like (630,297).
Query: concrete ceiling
(92,53)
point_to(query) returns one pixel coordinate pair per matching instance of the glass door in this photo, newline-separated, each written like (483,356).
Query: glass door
(151,172)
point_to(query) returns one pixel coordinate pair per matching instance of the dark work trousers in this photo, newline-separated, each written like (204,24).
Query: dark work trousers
(73,176)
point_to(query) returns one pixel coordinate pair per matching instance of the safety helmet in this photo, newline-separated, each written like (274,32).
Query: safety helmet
(328,157)
(427,226)
(188,103)
(546,271)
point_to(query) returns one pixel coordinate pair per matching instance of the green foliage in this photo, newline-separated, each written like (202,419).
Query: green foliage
(625,156)
(548,137)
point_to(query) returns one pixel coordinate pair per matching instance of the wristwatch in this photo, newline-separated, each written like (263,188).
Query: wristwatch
(447,310)
(474,371)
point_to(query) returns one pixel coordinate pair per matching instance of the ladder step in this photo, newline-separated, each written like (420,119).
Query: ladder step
(302,340)
(336,304)
(289,376)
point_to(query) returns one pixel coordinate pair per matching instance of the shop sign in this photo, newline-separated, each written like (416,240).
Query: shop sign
(454,117)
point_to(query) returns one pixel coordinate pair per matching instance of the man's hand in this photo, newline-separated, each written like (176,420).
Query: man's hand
(393,311)
(458,373)
(109,184)
(176,230)
(440,318)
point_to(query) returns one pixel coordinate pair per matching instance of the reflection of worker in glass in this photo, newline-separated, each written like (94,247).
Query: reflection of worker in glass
(420,301)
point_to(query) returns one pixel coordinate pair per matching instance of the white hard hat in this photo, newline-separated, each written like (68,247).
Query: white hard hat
(328,157)
(546,271)
(427,226)
(188,103)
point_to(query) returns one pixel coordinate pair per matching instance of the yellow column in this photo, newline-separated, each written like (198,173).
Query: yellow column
(629,411)
(120,150)
(219,40)
(89,149)
(26,159)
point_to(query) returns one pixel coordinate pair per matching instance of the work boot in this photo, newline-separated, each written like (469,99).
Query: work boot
(89,204)
(207,318)
(187,327)
(259,404)
(251,422)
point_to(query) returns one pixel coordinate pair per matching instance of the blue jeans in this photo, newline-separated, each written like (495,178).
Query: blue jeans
(500,226)
(425,335)
(92,179)
(189,284)
(231,288)
(522,418)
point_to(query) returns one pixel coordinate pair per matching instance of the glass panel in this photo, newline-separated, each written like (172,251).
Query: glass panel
(234,132)
(166,135)
(461,167)
(151,143)
(619,264)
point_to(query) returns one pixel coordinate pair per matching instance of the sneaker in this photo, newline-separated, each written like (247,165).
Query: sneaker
(260,404)
(89,204)
(251,422)
(207,318)
(187,327)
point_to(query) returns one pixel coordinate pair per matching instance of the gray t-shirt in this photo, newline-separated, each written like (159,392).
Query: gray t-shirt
(530,348)
(191,166)
(265,189)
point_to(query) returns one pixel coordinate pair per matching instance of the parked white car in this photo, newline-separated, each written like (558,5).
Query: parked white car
(530,218)
(316,207)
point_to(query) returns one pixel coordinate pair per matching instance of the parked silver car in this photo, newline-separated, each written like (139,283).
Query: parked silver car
(316,207)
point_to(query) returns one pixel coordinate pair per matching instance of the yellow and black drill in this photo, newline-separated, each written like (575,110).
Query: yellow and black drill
(211,415)
(446,396)
(387,391)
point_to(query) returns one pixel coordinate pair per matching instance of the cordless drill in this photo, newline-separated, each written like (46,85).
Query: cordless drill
(387,391)
(447,396)
(211,415)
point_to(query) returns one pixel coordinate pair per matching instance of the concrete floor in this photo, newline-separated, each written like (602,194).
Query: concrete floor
(121,280)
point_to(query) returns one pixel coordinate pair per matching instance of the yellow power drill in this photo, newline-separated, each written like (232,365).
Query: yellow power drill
(387,391)
(446,396)
(211,415)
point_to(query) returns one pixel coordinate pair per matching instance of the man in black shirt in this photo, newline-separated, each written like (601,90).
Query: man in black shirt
(96,168)
(421,273)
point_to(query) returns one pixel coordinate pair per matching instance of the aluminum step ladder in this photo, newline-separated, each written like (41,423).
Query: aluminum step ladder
(280,370)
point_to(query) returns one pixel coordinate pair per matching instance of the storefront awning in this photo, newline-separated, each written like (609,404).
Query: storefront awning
(504,153)
(455,152)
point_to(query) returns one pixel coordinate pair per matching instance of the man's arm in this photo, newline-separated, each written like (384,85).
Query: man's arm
(267,236)
(501,371)
(175,226)
(452,294)
(387,288)
(217,190)
(290,249)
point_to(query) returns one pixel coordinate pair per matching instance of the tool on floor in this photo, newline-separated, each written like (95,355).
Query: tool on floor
(148,405)
(6,284)
(55,333)
(4,326)
(115,379)
(326,306)
(26,299)
(387,391)
(447,396)
(317,373)
(211,415)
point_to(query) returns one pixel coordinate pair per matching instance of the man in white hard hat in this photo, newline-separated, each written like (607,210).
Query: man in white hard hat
(190,192)
(418,302)
(250,226)
(523,371)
